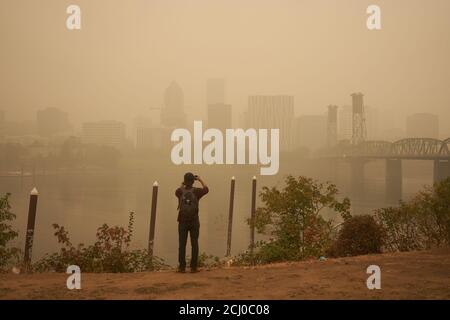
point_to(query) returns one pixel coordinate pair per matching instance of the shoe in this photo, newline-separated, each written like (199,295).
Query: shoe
(181,270)
(194,270)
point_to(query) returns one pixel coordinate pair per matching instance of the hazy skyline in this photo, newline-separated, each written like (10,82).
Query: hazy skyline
(127,53)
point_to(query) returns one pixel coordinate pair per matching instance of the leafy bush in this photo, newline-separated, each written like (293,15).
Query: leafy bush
(266,252)
(358,235)
(292,218)
(7,233)
(421,223)
(110,253)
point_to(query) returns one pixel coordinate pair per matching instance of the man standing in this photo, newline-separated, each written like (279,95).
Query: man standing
(188,220)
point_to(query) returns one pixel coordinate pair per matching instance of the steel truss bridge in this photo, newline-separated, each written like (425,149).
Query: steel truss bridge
(410,148)
(392,153)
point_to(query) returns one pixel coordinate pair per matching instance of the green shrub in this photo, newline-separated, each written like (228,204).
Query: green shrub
(8,255)
(110,253)
(264,252)
(358,235)
(292,218)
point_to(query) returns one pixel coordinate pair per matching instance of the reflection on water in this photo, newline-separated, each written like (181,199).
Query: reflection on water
(82,202)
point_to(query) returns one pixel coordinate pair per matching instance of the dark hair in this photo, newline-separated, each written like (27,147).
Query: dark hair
(189,179)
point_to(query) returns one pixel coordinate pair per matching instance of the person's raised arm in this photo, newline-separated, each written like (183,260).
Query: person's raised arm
(201,181)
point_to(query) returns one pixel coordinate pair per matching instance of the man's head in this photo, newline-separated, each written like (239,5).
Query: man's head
(189,179)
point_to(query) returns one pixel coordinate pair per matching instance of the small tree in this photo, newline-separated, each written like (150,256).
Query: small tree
(292,217)
(7,233)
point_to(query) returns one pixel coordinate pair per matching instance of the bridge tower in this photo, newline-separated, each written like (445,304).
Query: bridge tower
(332,126)
(359,132)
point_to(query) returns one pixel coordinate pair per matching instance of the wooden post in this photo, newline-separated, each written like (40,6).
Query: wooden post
(230,217)
(30,228)
(252,218)
(151,237)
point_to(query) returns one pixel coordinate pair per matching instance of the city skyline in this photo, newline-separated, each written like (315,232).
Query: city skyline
(126,55)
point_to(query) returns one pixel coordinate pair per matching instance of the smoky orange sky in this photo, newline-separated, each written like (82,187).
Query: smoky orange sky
(319,51)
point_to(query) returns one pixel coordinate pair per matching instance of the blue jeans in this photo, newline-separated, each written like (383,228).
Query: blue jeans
(185,228)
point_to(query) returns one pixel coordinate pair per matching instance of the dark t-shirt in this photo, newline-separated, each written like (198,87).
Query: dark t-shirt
(199,193)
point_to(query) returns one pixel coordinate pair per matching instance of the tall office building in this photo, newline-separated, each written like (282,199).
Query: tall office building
(219,116)
(218,113)
(422,125)
(172,113)
(273,112)
(108,133)
(52,121)
(215,91)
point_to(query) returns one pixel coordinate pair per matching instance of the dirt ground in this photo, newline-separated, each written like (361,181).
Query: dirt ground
(410,275)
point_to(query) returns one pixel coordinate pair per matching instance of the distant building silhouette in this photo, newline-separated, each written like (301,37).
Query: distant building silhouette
(273,112)
(108,133)
(422,125)
(219,116)
(172,113)
(52,121)
(215,91)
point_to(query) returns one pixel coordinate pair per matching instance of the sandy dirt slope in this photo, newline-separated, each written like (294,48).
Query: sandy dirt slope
(411,275)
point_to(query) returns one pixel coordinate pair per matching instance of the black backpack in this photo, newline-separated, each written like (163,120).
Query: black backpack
(188,205)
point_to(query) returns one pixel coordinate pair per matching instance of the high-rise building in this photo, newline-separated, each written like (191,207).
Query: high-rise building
(219,116)
(172,113)
(52,121)
(108,133)
(273,112)
(215,91)
(422,125)
(312,131)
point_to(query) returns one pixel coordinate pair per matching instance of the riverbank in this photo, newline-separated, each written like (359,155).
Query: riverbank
(409,275)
